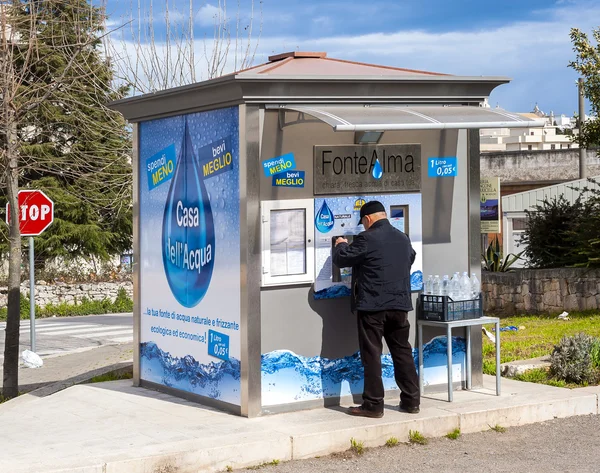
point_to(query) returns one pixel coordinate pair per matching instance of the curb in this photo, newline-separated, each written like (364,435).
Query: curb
(283,444)
(49,389)
(117,368)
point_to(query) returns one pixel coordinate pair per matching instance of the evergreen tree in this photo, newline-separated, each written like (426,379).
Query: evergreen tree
(71,145)
(57,134)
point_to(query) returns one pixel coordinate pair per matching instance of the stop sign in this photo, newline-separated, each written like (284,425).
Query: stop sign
(36,212)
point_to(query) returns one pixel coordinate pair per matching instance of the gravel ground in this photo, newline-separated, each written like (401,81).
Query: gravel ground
(560,445)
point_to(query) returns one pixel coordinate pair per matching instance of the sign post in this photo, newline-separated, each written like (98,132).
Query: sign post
(31,295)
(36,213)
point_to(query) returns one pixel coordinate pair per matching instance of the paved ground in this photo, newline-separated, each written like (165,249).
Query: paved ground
(561,445)
(62,335)
(59,372)
(117,428)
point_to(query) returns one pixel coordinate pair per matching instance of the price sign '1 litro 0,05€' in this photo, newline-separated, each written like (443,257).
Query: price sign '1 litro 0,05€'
(442,167)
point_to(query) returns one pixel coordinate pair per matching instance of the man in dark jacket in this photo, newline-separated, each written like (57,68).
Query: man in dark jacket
(381,258)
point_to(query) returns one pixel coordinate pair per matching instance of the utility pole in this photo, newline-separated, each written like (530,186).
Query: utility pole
(582,152)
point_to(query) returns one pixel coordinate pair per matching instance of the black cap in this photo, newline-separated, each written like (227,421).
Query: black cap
(371,208)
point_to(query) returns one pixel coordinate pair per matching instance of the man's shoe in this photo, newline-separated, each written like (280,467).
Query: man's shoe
(409,410)
(362,412)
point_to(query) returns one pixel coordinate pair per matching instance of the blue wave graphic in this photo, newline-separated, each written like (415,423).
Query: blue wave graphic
(416,281)
(288,377)
(217,380)
(333,292)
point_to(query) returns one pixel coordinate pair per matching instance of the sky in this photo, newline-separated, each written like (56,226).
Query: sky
(527,40)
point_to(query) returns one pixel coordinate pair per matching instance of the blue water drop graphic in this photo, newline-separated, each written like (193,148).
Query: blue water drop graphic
(324,220)
(188,240)
(377,170)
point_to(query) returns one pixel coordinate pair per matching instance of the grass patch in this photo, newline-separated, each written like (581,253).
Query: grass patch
(111,377)
(357,447)
(414,436)
(262,465)
(498,428)
(391,442)
(454,435)
(5,399)
(538,338)
(542,376)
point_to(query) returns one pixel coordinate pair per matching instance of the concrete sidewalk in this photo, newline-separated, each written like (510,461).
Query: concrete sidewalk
(62,371)
(116,428)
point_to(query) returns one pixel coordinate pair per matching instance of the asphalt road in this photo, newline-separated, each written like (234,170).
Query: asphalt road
(63,335)
(560,445)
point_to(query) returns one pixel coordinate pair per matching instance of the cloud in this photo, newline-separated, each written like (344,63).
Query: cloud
(209,14)
(322,21)
(535,54)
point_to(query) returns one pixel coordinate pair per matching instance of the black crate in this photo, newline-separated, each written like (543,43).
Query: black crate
(444,309)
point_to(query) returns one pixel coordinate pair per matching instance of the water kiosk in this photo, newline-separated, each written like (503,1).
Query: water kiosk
(240,185)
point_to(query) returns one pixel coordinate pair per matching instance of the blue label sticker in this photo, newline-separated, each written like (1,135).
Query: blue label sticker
(442,167)
(215,158)
(218,345)
(280,164)
(161,167)
(324,220)
(289,179)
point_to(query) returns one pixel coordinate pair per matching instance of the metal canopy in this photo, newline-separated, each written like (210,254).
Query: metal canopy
(396,117)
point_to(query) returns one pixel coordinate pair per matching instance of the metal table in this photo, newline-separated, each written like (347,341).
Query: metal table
(449,326)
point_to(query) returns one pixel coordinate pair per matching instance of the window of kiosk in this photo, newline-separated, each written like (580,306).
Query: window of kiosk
(399,217)
(287,242)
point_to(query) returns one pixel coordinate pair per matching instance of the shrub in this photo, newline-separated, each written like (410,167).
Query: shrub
(123,303)
(571,359)
(550,227)
(492,258)
(595,353)
(561,233)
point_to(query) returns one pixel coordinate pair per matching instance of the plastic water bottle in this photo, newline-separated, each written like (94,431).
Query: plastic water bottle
(436,285)
(455,287)
(475,286)
(429,285)
(445,288)
(465,287)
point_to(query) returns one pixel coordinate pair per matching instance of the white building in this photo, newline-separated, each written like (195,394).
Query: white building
(530,139)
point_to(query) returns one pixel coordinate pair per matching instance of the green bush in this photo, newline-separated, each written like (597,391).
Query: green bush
(492,260)
(86,306)
(560,233)
(123,303)
(548,236)
(571,360)
(595,353)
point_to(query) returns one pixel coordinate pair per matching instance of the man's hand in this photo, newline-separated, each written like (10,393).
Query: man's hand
(340,240)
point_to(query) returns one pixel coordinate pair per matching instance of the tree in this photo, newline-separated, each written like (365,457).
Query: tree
(155,53)
(56,133)
(587,64)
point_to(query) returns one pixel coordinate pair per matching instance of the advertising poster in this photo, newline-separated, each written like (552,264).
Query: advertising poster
(288,377)
(190,253)
(489,205)
(340,216)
